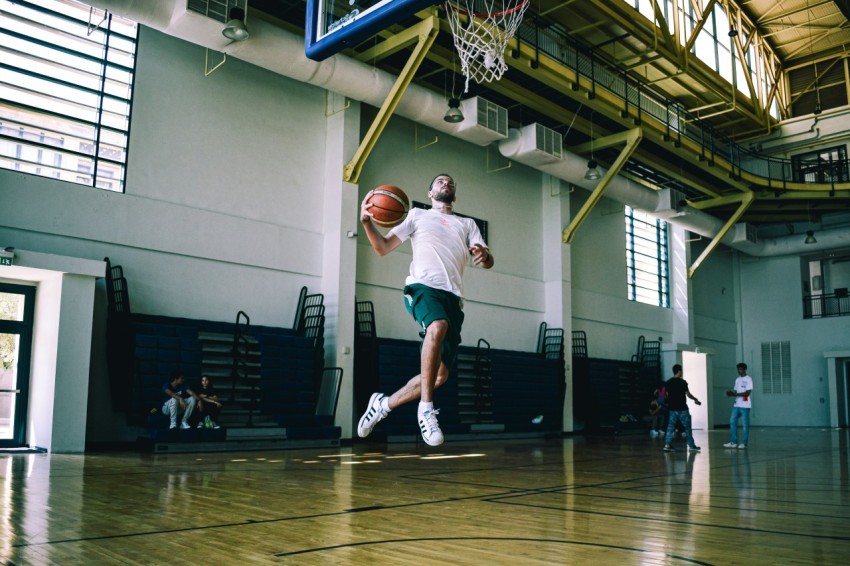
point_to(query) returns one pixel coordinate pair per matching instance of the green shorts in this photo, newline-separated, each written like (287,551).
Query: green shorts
(426,305)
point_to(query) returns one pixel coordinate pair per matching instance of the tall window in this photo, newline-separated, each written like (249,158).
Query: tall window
(647,271)
(66,82)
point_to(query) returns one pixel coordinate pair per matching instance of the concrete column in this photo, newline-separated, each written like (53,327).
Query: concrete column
(339,260)
(557,276)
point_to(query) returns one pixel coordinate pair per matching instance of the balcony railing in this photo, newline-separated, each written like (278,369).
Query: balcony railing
(776,173)
(832,304)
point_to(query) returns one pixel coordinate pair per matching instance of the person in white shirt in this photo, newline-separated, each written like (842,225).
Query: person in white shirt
(742,393)
(442,242)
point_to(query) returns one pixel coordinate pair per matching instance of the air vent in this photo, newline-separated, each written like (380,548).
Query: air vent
(745,232)
(533,145)
(214,9)
(670,204)
(485,121)
(548,141)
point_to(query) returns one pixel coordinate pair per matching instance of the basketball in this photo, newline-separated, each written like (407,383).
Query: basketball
(389,205)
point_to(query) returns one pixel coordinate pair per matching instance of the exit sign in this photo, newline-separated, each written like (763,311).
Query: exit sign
(5,260)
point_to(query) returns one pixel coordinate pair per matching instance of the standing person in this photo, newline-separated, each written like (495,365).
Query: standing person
(209,406)
(741,409)
(677,391)
(178,399)
(442,242)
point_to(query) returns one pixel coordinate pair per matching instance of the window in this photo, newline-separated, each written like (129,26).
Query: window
(647,272)
(827,165)
(776,367)
(66,82)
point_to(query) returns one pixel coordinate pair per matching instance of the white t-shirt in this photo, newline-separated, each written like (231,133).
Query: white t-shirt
(744,383)
(441,245)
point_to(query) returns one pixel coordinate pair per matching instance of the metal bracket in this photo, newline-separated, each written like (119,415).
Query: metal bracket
(424,33)
(632,138)
(746,200)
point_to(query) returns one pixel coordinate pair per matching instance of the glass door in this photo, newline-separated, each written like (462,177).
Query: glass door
(17,306)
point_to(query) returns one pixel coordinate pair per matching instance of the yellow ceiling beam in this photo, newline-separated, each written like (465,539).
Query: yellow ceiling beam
(632,138)
(746,200)
(426,32)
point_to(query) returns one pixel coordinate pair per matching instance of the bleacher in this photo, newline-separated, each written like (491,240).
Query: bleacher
(271,380)
(612,396)
(512,394)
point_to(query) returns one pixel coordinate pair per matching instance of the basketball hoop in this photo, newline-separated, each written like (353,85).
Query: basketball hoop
(482,40)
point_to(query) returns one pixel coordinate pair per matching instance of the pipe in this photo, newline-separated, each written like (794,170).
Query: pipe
(282,52)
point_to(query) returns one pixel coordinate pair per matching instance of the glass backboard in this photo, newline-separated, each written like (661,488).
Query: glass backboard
(334,25)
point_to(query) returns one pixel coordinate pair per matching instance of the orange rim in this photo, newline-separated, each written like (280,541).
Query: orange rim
(484,15)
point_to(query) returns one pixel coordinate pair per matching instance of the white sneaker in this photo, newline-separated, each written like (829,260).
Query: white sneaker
(173,426)
(730,445)
(373,415)
(742,446)
(184,426)
(652,434)
(430,428)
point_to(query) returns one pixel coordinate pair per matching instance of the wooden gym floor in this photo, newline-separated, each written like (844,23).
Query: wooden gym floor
(578,500)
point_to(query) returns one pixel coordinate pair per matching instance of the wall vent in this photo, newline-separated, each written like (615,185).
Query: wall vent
(776,367)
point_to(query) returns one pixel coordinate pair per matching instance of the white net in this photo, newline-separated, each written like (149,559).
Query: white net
(482,29)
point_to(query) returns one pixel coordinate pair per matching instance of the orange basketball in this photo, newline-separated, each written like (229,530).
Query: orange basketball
(389,205)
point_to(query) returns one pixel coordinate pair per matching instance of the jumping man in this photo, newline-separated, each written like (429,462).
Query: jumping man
(442,242)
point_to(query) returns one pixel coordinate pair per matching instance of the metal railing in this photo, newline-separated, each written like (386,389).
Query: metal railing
(826,305)
(554,42)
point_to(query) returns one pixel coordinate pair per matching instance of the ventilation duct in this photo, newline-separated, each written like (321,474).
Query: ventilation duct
(282,52)
(671,203)
(484,122)
(538,143)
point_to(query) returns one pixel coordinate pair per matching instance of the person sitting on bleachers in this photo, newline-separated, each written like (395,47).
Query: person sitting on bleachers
(179,399)
(209,406)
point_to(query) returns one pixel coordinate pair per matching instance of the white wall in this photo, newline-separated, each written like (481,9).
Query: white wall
(771,310)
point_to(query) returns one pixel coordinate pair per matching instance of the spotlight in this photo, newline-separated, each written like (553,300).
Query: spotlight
(453,114)
(592,173)
(235,27)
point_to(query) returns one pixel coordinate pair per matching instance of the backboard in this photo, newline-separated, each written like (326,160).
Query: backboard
(334,25)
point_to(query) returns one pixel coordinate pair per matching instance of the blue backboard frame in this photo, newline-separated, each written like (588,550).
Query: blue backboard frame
(319,43)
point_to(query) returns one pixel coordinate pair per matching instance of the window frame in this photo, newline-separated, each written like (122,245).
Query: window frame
(67,78)
(652,243)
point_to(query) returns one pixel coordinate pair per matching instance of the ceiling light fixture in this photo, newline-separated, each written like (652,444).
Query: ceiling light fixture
(592,173)
(235,28)
(453,114)
(810,237)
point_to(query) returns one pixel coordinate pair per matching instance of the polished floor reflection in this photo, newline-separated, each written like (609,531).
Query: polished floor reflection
(579,500)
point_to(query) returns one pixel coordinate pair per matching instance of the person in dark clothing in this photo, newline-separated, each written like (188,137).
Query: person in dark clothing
(677,392)
(209,406)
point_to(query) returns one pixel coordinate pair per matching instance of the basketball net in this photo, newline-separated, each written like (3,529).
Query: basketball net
(481,30)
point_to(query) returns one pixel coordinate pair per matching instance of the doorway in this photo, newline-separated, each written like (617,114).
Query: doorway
(17,307)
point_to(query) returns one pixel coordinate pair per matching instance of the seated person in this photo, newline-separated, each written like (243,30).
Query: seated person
(179,399)
(656,411)
(208,405)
